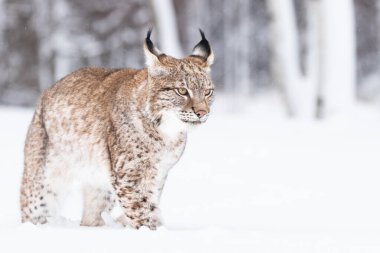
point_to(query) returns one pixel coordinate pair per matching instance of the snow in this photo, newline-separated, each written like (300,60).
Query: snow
(250,180)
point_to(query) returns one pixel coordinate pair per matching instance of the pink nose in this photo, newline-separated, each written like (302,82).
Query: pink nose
(201,113)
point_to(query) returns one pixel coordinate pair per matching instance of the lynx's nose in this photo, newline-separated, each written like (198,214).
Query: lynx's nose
(201,113)
(200,109)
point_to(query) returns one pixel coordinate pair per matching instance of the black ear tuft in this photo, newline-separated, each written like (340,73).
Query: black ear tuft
(149,43)
(149,33)
(202,34)
(153,56)
(202,49)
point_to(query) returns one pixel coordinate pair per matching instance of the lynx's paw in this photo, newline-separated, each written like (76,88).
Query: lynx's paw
(152,220)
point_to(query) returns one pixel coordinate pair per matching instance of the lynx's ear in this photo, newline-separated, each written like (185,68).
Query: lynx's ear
(203,52)
(152,56)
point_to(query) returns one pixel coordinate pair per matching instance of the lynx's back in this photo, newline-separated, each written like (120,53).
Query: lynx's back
(85,98)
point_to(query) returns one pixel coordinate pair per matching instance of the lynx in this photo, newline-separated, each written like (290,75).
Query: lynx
(116,132)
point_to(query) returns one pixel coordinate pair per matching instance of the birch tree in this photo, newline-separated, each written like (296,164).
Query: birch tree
(166,21)
(285,61)
(337,71)
(43,15)
(313,106)
(330,82)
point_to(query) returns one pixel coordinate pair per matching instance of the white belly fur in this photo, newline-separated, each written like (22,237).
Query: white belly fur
(69,169)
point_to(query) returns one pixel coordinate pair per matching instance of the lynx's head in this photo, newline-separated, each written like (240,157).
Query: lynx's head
(180,88)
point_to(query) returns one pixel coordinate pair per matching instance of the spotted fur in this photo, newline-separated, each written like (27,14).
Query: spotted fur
(117,132)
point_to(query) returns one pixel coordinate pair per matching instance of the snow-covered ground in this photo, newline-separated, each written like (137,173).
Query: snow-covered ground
(250,180)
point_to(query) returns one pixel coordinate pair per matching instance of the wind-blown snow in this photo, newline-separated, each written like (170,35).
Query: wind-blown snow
(253,181)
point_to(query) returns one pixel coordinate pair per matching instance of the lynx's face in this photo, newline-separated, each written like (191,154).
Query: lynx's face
(181,87)
(186,90)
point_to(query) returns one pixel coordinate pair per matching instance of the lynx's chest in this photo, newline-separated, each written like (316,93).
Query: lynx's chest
(171,128)
(166,159)
(170,154)
(173,133)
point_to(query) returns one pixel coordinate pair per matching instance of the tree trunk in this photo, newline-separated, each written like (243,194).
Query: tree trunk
(313,105)
(285,68)
(166,21)
(44,15)
(338,70)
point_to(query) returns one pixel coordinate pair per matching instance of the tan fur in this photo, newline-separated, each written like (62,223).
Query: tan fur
(107,129)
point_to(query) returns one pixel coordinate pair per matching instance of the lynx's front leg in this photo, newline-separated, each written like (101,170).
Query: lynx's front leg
(137,190)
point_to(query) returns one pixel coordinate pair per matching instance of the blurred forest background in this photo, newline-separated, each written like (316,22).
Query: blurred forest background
(317,54)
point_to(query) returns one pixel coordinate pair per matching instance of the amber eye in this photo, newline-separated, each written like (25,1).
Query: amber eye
(209,92)
(182,91)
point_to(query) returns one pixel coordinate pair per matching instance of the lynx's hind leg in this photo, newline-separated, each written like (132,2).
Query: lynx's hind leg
(33,190)
(41,204)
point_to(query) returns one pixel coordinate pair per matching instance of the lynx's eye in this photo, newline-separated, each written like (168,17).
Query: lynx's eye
(209,92)
(181,91)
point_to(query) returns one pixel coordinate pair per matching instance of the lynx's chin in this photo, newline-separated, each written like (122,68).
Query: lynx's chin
(194,123)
